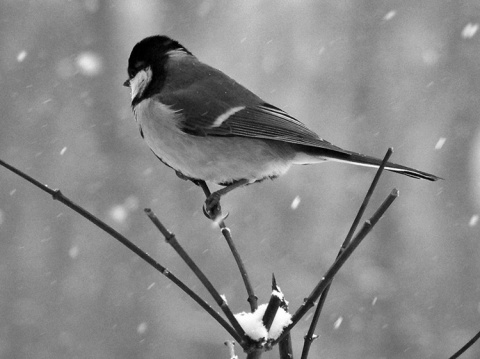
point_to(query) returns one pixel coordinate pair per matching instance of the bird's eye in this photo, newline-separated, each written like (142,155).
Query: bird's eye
(135,68)
(139,65)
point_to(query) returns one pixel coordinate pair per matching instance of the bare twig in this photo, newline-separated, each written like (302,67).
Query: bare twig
(252,298)
(58,196)
(172,240)
(231,349)
(310,337)
(466,346)
(255,354)
(333,270)
(285,345)
(361,211)
(219,219)
(272,307)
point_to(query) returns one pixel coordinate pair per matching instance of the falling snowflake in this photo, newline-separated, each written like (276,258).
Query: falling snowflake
(89,63)
(295,202)
(390,15)
(142,328)
(21,56)
(73,252)
(469,30)
(119,213)
(473,220)
(337,323)
(440,143)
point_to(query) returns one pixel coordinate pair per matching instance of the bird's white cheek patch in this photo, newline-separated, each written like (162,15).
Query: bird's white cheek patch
(140,82)
(224,116)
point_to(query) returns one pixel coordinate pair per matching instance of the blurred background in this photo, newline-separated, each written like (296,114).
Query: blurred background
(365,75)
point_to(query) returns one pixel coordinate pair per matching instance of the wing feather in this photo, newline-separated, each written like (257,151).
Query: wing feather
(268,122)
(262,121)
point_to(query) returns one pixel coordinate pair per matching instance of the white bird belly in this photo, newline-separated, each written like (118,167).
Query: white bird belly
(217,159)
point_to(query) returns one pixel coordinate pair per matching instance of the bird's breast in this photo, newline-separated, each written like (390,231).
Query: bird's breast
(218,159)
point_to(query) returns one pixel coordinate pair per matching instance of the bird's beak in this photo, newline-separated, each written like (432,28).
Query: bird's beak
(127,83)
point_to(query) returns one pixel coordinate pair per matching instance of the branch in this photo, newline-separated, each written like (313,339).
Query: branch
(272,307)
(58,196)
(172,240)
(370,191)
(285,345)
(466,346)
(252,298)
(256,354)
(325,281)
(231,349)
(310,337)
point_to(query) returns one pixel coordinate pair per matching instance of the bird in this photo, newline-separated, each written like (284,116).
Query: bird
(209,128)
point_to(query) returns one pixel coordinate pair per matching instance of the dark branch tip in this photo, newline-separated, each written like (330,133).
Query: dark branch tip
(57,194)
(169,236)
(310,338)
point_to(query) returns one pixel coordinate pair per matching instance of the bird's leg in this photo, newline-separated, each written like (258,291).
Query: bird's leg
(212,207)
(214,211)
(183,177)
(213,200)
(196,182)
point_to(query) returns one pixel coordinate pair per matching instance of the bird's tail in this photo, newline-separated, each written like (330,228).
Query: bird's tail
(363,160)
(341,155)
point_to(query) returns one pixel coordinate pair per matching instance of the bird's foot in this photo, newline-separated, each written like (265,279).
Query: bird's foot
(211,208)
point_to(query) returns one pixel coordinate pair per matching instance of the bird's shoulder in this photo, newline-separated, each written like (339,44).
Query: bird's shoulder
(210,103)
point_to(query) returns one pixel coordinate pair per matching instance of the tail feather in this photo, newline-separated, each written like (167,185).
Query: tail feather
(309,155)
(363,160)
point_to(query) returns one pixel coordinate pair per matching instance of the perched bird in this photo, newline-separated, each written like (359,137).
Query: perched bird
(207,127)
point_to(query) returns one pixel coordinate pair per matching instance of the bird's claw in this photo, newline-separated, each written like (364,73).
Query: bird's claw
(216,216)
(211,208)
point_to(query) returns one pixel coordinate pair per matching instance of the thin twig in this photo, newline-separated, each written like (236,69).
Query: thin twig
(272,307)
(57,195)
(231,349)
(370,191)
(255,354)
(333,270)
(285,345)
(310,337)
(252,298)
(466,346)
(172,240)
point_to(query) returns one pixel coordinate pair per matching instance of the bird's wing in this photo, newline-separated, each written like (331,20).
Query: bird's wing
(214,115)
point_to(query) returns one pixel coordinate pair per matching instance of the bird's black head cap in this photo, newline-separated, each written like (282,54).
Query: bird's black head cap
(152,51)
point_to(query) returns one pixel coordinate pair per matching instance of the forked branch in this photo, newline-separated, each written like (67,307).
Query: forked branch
(310,337)
(333,270)
(172,240)
(58,195)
